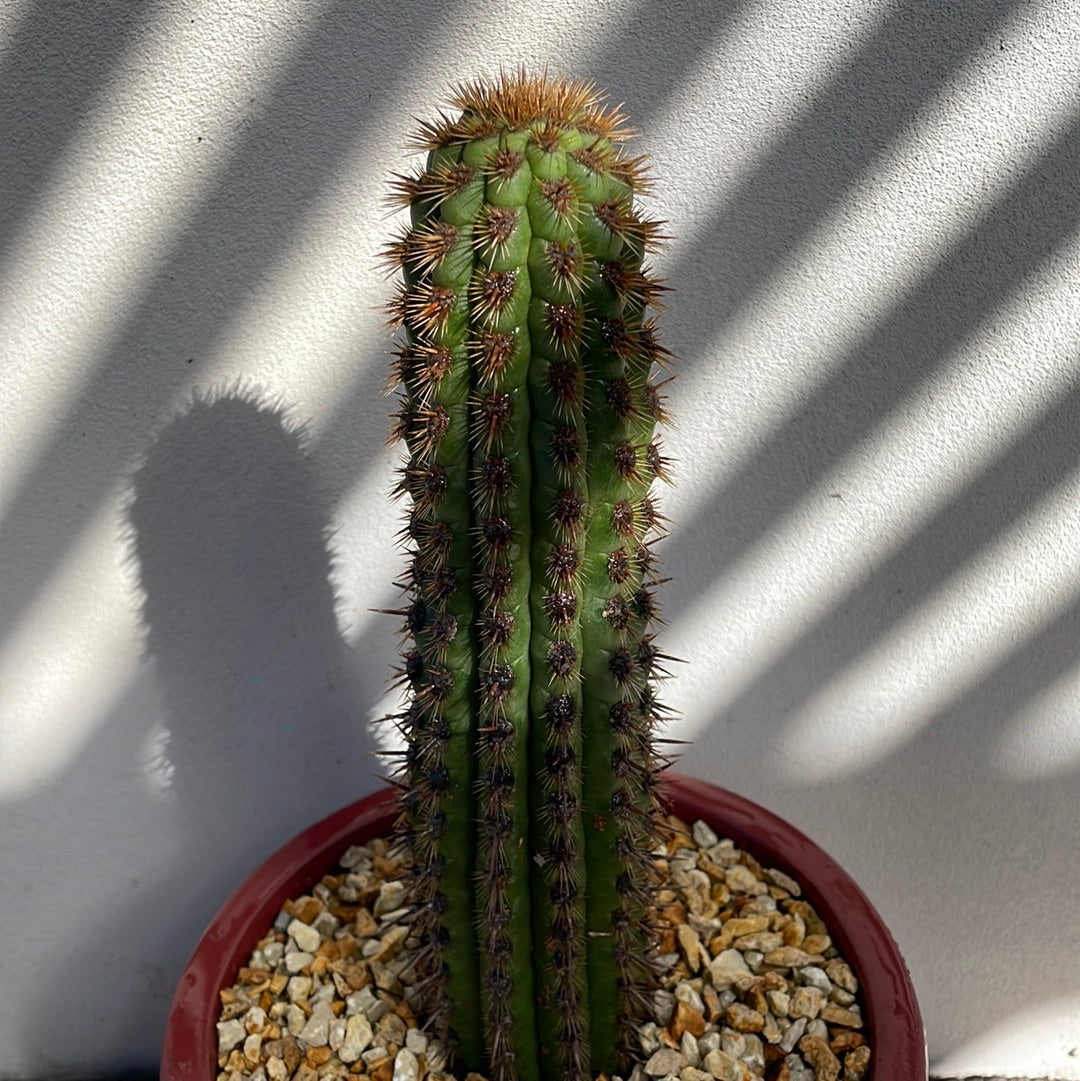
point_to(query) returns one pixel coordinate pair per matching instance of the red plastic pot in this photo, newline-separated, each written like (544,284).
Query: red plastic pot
(892,1013)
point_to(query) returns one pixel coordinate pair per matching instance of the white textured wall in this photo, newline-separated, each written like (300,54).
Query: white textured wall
(876,555)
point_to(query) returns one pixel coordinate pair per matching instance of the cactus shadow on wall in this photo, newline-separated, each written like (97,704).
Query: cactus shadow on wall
(295,137)
(229,533)
(230,538)
(51,82)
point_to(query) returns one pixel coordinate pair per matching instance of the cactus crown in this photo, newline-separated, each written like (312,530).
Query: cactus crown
(528,408)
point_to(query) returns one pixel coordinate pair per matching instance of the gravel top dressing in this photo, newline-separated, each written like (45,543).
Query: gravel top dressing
(752,988)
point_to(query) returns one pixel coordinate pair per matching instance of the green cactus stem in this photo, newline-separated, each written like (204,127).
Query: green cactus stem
(528,409)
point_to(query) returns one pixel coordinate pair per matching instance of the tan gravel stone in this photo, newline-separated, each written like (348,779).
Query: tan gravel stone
(785,882)
(816,1052)
(754,997)
(252,1048)
(762,941)
(713,1008)
(805,1002)
(275,1069)
(842,1040)
(391,943)
(792,957)
(747,925)
(725,1068)
(779,1001)
(814,925)
(306,909)
(690,945)
(365,925)
(771,1032)
(743,1019)
(856,1063)
(794,932)
(837,1015)
(685,1019)
(840,973)
(740,879)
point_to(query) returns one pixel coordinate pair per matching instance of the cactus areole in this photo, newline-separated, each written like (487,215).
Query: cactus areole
(531,384)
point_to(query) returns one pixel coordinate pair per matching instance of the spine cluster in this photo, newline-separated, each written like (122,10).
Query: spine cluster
(529,399)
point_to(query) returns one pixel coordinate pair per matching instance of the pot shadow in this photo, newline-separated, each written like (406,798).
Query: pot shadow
(229,533)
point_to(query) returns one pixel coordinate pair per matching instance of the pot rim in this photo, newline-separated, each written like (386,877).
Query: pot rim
(892,1011)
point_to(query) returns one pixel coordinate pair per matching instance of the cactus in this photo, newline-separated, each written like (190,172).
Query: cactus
(528,406)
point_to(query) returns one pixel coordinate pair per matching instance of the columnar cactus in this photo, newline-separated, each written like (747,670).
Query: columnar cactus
(528,409)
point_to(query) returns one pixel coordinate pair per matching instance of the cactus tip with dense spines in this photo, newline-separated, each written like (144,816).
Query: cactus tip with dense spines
(528,411)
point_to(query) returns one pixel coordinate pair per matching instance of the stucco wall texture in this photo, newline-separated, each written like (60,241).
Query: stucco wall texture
(875,551)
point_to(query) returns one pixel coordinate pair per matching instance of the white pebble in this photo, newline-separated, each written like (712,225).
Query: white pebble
(297,960)
(295,1019)
(793,1034)
(327,924)
(688,1048)
(649,1037)
(391,896)
(358,1035)
(316,1033)
(685,992)
(663,1006)
(740,879)
(733,1044)
(709,1041)
(799,1071)
(337,1033)
(704,836)
(307,938)
(663,1062)
(813,976)
(727,967)
(230,1034)
(406,1066)
(255,1019)
(780,1001)
(354,856)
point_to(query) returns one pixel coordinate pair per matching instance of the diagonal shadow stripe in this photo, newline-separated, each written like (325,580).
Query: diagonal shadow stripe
(330,96)
(1018,233)
(48,88)
(831,146)
(651,50)
(978,716)
(1003,492)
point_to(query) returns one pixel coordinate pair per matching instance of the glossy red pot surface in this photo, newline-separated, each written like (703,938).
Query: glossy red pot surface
(892,1013)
